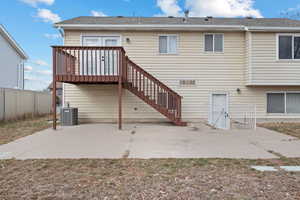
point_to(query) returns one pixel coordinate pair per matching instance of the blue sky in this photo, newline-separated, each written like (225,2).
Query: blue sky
(30,21)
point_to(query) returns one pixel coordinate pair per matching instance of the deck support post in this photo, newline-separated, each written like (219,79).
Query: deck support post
(120,87)
(54,89)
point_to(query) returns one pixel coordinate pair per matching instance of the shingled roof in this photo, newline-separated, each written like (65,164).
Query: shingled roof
(253,22)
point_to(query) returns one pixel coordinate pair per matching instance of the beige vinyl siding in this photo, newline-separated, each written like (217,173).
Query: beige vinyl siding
(213,72)
(266,69)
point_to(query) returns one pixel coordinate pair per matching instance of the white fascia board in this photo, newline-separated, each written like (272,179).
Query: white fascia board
(13,43)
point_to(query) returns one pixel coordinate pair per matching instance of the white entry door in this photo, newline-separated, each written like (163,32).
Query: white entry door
(219,111)
(106,62)
(111,57)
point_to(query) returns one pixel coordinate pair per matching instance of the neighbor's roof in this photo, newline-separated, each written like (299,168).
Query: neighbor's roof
(179,22)
(58,85)
(12,42)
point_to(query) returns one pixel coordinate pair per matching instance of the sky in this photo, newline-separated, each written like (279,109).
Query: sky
(30,22)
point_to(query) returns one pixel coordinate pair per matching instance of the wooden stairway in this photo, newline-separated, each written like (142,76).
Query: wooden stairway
(152,91)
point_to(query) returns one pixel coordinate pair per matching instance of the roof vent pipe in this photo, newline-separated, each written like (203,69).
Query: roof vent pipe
(186,15)
(208,18)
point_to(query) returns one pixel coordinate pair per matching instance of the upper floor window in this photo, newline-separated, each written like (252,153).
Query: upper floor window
(168,44)
(289,46)
(213,42)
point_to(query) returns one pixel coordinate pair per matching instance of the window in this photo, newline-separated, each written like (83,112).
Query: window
(289,47)
(276,103)
(213,42)
(168,44)
(283,102)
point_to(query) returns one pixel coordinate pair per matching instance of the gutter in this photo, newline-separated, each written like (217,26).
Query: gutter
(148,27)
(186,27)
(261,28)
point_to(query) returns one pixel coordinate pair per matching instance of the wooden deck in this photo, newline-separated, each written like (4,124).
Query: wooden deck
(81,79)
(110,65)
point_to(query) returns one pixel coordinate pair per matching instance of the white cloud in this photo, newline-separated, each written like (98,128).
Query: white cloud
(97,13)
(52,36)
(41,63)
(293,13)
(35,2)
(222,8)
(45,72)
(48,16)
(169,7)
(28,68)
(216,8)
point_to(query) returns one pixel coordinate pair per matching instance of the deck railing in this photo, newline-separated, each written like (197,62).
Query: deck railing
(88,61)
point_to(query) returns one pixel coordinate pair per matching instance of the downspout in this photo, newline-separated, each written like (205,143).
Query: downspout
(61,31)
(23,75)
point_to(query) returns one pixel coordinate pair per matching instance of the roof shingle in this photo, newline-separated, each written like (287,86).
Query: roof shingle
(255,22)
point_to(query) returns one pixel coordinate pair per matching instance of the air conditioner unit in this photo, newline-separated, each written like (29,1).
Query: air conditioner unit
(69,116)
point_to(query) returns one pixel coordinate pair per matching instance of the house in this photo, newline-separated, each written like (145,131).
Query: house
(59,91)
(12,58)
(180,69)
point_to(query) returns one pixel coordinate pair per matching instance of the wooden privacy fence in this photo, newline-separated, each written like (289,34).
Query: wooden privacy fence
(18,103)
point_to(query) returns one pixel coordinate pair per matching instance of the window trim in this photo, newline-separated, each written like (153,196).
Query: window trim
(177,44)
(213,51)
(293,46)
(102,35)
(285,97)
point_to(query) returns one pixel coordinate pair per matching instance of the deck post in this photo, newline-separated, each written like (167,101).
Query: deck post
(121,60)
(54,88)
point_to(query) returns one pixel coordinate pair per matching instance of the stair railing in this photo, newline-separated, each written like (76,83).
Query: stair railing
(152,90)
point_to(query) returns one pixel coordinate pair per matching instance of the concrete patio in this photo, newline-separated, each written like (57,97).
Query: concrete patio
(151,141)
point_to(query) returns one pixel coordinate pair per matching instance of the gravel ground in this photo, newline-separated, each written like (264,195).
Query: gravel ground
(12,130)
(146,179)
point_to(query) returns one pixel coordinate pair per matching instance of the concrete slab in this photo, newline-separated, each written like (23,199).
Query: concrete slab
(264,168)
(291,168)
(151,141)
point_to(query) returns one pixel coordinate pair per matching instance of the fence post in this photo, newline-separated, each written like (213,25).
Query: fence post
(2,110)
(255,120)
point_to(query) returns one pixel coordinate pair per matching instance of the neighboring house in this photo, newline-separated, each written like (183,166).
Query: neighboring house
(223,68)
(12,58)
(59,91)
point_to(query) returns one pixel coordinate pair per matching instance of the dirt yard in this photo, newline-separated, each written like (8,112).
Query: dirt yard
(292,129)
(146,179)
(12,130)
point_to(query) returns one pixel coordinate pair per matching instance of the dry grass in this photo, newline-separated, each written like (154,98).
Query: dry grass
(12,130)
(292,129)
(145,179)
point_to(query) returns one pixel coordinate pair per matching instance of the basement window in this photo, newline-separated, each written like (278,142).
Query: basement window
(214,42)
(283,102)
